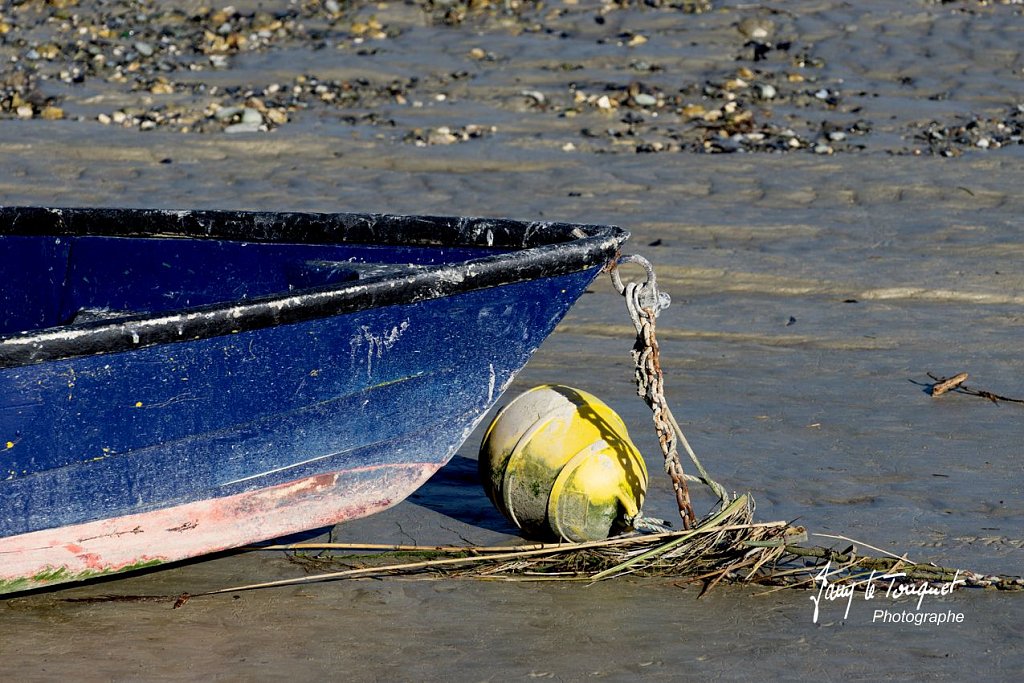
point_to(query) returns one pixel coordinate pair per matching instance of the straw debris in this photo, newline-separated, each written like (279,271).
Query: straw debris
(726,547)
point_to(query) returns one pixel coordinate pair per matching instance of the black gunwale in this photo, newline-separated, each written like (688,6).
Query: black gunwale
(538,249)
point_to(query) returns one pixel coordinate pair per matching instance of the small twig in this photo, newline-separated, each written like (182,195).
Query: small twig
(955,384)
(939,388)
(725,572)
(367,571)
(404,548)
(856,542)
(617,540)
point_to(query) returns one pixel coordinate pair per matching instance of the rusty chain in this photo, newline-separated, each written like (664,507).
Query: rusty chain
(644,302)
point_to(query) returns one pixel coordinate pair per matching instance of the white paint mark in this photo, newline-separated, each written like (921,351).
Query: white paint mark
(376,344)
(490,384)
(279,469)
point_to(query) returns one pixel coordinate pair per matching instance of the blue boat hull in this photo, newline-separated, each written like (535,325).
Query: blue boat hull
(111,461)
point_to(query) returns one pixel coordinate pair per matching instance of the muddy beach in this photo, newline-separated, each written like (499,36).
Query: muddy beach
(831,193)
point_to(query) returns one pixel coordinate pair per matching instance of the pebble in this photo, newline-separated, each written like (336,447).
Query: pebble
(756,28)
(767,91)
(447,135)
(242,128)
(441,136)
(226,113)
(251,116)
(277,116)
(536,95)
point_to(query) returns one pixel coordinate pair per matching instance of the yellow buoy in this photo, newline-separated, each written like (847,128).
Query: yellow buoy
(558,463)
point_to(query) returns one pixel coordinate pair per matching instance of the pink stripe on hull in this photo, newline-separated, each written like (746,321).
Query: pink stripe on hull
(193,529)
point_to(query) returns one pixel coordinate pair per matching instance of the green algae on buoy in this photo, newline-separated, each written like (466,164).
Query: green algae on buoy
(558,463)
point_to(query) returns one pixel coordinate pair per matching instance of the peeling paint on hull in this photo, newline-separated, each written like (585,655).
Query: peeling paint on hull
(82,551)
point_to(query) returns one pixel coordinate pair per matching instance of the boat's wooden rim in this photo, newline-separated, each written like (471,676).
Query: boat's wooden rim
(536,250)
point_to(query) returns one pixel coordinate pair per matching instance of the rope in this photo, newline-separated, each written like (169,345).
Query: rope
(644,302)
(649,525)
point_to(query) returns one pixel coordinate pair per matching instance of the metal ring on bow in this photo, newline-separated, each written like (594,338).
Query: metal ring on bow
(649,296)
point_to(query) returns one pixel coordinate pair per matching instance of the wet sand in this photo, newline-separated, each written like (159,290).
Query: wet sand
(814,286)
